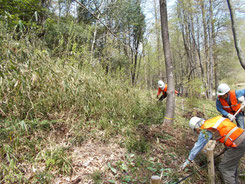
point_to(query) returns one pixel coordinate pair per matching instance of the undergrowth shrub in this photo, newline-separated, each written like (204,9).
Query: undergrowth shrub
(194,91)
(45,101)
(137,144)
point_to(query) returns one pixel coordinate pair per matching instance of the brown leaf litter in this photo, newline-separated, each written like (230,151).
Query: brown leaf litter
(90,158)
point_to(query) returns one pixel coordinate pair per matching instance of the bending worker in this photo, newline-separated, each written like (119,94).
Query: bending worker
(226,132)
(162,88)
(229,101)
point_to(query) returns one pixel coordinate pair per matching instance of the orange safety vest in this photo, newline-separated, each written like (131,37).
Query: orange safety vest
(228,131)
(234,106)
(164,90)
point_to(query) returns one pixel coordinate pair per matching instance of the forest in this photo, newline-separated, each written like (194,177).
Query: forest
(78,82)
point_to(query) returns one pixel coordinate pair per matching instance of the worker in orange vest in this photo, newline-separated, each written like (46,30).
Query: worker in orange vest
(226,132)
(162,88)
(229,102)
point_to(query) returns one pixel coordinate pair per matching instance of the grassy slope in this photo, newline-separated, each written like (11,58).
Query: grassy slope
(106,132)
(61,121)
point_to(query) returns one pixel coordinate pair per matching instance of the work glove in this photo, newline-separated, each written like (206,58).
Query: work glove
(184,165)
(241,99)
(231,117)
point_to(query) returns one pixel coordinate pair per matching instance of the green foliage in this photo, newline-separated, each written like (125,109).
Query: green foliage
(57,94)
(137,144)
(19,146)
(194,91)
(85,16)
(132,18)
(21,15)
(42,177)
(66,38)
(55,159)
(44,98)
(127,171)
(97,177)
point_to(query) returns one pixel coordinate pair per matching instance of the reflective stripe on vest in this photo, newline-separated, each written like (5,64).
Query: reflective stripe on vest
(218,122)
(230,132)
(234,104)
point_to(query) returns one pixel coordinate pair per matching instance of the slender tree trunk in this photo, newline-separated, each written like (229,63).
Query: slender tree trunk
(158,40)
(198,48)
(211,62)
(68,7)
(235,35)
(135,61)
(94,39)
(186,26)
(145,67)
(138,68)
(205,44)
(59,8)
(214,53)
(193,47)
(149,71)
(169,115)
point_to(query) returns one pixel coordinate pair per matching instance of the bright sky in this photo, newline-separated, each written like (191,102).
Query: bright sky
(148,8)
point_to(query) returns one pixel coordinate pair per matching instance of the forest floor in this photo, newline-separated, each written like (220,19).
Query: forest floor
(90,158)
(170,146)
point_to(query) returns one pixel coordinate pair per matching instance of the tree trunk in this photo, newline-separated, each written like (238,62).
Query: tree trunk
(211,60)
(145,67)
(214,53)
(158,40)
(186,25)
(235,36)
(94,39)
(205,44)
(198,49)
(169,115)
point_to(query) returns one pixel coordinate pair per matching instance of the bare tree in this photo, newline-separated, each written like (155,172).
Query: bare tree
(169,115)
(235,35)
(186,17)
(205,35)
(210,64)
(159,59)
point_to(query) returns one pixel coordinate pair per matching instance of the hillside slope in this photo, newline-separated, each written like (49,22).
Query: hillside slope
(63,122)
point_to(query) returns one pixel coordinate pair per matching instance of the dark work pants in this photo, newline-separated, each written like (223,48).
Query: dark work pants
(229,163)
(163,97)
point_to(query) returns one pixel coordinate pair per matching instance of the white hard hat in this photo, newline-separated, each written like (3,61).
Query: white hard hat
(223,89)
(196,122)
(161,84)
